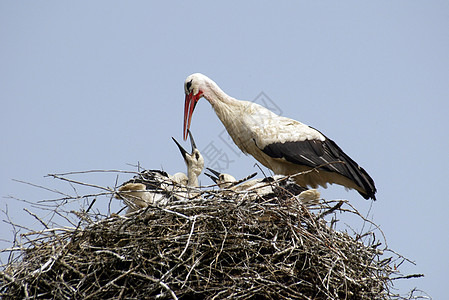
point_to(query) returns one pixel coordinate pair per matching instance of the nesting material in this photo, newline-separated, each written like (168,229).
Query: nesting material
(215,246)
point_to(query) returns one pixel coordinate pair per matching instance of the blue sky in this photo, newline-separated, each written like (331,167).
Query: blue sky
(99,85)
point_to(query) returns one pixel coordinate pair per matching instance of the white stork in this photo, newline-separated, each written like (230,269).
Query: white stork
(281,144)
(154,187)
(150,187)
(267,187)
(194,162)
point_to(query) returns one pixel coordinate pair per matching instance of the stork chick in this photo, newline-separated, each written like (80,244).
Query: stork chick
(194,162)
(266,187)
(154,187)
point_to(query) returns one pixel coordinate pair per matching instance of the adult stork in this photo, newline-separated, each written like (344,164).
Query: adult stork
(283,145)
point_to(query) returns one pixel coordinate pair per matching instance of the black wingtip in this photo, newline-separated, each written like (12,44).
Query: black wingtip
(371,195)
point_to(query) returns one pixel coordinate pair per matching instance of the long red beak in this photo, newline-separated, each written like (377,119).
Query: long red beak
(189,106)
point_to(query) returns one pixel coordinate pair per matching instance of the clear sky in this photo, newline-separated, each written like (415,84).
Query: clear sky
(99,85)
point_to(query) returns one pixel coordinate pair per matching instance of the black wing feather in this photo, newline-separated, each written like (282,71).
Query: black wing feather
(325,155)
(152,179)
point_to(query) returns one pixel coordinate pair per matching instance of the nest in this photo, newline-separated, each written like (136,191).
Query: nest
(215,246)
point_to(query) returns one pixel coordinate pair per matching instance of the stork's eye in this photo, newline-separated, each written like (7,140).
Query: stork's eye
(188,85)
(197,156)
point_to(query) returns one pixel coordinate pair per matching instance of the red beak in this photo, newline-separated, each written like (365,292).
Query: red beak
(189,106)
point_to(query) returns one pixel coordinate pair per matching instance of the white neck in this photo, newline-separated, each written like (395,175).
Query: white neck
(215,95)
(193,180)
(224,105)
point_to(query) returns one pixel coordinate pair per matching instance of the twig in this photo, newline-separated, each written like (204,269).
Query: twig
(106,286)
(36,217)
(161,283)
(188,239)
(92,171)
(408,276)
(42,187)
(331,210)
(81,183)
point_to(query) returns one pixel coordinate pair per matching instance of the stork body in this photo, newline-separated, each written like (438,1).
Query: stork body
(154,187)
(150,187)
(284,145)
(267,187)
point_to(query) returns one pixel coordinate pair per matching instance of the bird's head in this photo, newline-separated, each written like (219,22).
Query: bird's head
(194,160)
(194,87)
(223,180)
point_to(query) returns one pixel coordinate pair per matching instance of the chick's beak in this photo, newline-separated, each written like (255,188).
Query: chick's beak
(192,141)
(183,151)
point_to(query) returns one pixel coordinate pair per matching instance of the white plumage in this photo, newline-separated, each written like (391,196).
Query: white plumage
(194,162)
(267,187)
(154,187)
(283,145)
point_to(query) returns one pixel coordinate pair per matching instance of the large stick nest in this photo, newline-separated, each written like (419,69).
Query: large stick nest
(215,246)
